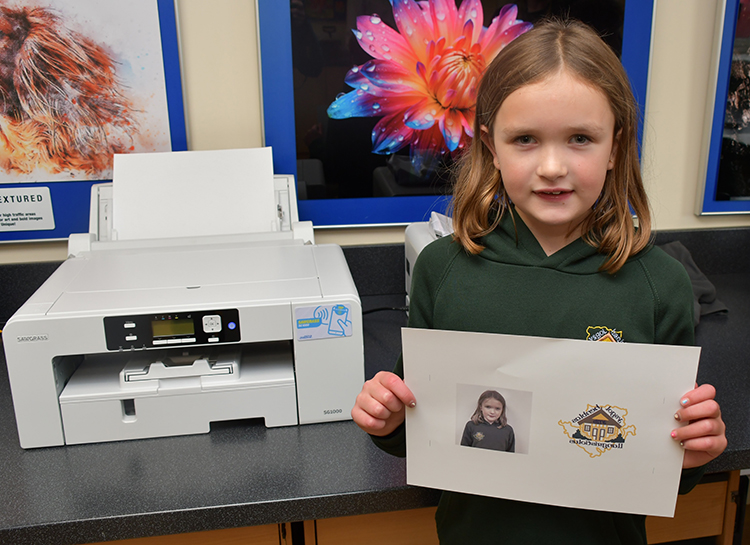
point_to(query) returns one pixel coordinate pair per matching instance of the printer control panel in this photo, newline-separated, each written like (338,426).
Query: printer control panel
(172,329)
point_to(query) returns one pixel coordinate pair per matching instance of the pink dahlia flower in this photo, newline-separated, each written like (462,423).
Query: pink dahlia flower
(423,79)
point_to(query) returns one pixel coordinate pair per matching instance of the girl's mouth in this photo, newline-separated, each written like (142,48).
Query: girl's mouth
(553,195)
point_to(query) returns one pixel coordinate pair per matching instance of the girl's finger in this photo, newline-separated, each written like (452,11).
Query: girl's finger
(374,407)
(385,396)
(366,421)
(705,409)
(394,384)
(698,395)
(702,428)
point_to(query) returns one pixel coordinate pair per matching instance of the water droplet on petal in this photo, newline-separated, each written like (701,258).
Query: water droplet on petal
(387,57)
(364,87)
(385,48)
(474,14)
(358,34)
(375,20)
(370,68)
(340,95)
(355,69)
(428,117)
(440,16)
(376,106)
(409,30)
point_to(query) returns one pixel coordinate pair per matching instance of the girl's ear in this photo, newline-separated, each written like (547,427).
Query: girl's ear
(487,140)
(615,146)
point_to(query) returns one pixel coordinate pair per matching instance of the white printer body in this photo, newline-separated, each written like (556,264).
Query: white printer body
(418,235)
(147,338)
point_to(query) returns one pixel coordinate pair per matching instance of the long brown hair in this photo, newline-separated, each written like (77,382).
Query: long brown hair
(479,197)
(478,416)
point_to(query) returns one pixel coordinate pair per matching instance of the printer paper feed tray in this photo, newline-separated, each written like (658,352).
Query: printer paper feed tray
(97,405)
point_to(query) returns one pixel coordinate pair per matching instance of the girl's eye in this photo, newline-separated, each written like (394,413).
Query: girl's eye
(525,140)
(580,139)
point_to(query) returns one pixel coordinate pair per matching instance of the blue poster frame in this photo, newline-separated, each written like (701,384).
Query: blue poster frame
(71,199)
(707,202)
(274,27)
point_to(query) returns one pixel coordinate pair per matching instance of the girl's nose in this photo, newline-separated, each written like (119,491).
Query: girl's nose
(551,164)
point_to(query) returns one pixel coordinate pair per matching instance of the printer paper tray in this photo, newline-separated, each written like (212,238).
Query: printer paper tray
(96,407)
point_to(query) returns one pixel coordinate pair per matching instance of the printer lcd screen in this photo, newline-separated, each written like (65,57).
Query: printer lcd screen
(170,328)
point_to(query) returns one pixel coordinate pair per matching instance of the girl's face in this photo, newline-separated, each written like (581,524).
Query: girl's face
(491,410)
(553,143)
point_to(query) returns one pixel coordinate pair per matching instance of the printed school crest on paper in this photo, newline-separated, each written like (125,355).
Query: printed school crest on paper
(598,429)
(603,334)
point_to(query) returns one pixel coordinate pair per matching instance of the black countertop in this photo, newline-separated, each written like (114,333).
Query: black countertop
(244,474)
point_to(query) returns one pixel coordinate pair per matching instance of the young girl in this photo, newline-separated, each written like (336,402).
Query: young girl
(488,427)
(545,245)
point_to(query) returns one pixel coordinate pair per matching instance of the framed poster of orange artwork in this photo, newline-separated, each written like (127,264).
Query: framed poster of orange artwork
(80,80)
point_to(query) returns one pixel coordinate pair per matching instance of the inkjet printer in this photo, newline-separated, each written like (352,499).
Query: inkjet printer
(135,337)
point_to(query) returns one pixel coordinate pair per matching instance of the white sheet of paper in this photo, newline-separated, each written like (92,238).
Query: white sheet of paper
(193,193)
(553,389)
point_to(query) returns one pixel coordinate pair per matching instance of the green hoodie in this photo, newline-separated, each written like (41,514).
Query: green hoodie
(513,287)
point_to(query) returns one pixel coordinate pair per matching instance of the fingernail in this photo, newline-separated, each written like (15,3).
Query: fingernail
(684,402)
(413,404)
(674,434)
(677,416)
(682,444)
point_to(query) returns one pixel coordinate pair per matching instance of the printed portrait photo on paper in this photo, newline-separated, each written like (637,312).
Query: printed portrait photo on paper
(493,418)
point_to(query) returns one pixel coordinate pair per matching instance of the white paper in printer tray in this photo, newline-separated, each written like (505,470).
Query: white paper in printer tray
(179,194)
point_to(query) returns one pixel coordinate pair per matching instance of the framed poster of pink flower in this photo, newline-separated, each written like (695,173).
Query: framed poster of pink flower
(76,88)
(366,100)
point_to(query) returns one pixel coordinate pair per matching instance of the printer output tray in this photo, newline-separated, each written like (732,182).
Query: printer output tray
(252,381)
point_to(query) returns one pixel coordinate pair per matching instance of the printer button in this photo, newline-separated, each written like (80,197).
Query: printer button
(213,339)
(129,325)
(212,323)
(174,341)
(157,342)
(189,340)
(131,338)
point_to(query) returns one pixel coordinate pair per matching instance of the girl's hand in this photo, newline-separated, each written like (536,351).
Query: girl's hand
(704,437)
(380,406)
